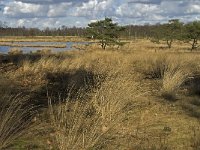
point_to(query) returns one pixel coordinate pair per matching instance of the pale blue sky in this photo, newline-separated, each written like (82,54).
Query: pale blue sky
(55,13)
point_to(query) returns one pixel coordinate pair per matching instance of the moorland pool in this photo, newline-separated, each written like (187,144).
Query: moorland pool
(69,46)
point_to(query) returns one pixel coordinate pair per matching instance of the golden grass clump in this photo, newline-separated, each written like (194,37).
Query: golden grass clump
(157,65)
(44,51)
(73,129)
(84,124)
(31,74)
(15,51)
(154,65)
(16,119)
(101,62)
(113,95)
(172,80)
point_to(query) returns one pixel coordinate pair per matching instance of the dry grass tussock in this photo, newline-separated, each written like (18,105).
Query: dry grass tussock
(172,80)
(106,62)
(16,119)
(15,51)
(173,70)
(83,125)
(154,65)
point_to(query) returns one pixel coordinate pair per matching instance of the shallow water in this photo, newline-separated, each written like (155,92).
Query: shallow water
(5,49)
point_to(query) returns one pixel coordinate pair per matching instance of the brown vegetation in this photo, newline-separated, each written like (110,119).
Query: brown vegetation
(131,98)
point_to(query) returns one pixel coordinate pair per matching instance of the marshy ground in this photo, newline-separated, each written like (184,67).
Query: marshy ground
(136,97)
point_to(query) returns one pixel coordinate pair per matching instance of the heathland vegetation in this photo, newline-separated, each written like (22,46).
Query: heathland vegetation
(143,94)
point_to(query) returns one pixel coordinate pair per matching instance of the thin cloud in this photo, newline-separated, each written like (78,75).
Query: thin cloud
(46,2)
(157,2)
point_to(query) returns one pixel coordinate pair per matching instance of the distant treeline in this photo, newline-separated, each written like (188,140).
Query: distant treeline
(169,32)
(131,31)
(22,31)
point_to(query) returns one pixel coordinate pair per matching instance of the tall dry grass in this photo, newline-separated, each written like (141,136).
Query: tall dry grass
(97,62)
(172,81)
(72,129)
(161,66)
(84,124)
(15,51)
(15,119)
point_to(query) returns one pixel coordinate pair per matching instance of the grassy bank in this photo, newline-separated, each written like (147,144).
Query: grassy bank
(136,97)
(27,45)
(41,39)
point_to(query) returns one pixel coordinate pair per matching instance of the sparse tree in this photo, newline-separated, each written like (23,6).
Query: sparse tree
(192,34)
(106,32)
(173,31)
(168,32)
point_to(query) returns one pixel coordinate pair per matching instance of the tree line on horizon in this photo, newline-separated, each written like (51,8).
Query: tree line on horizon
(136,31)
(168,32)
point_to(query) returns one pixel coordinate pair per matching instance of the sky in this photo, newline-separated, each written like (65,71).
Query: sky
(56,13)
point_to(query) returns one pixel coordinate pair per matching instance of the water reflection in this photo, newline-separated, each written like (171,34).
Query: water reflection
(69,46)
